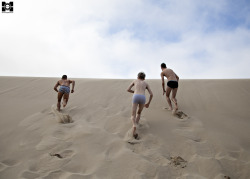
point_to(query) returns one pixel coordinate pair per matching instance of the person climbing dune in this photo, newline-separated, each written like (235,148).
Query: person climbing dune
(139,99)
(172,86)
(63,91)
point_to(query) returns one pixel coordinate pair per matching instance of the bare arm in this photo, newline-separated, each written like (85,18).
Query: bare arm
(73,85)
(130,86)
(55,87)
(177,77)
(151,96)
(163,83)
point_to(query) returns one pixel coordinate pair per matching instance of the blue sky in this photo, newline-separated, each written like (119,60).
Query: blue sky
(198,39)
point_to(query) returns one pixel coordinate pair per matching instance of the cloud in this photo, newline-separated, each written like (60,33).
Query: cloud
(117,39)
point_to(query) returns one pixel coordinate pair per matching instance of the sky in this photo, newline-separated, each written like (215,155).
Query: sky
(198,39)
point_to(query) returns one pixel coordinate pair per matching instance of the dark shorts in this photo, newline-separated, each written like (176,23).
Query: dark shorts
(64,89)
(172,84)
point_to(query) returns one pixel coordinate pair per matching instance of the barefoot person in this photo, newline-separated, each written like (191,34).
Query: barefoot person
(139,99)
(64,90)
(172,85)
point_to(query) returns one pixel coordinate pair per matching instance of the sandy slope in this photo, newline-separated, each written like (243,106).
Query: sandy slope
(213,139)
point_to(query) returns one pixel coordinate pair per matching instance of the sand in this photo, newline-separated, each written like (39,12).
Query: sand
(91,137)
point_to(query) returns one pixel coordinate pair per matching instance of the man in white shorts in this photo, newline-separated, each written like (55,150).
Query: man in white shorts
(139,99)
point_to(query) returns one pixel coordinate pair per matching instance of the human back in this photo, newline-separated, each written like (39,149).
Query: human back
(170,74)
(140,86)
(64,82)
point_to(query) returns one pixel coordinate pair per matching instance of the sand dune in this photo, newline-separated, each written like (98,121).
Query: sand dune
(91,137)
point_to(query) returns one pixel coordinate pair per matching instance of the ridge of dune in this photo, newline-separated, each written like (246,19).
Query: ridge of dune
(91,137)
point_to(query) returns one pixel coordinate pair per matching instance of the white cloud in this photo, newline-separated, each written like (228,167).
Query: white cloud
(117,39)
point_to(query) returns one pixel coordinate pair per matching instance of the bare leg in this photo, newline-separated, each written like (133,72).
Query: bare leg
(174,98)
(141,106)
(65,99)
(134,107)
(59,98)
(168,91)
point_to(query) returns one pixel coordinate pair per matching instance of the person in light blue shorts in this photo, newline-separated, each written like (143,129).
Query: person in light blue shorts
(63,91)
(139,99)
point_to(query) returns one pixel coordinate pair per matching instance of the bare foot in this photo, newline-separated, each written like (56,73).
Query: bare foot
(135,135)
(168,108)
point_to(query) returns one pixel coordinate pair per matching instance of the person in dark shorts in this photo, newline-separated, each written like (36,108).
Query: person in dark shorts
(172,85)
(64,90)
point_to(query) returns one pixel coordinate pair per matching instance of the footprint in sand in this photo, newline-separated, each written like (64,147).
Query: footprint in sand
(130,139)
(179,114)
(64,154)
(177,161)
(61,118)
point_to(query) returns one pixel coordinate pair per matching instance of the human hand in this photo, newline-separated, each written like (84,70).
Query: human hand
(146,105)
(72,91)
(164,92)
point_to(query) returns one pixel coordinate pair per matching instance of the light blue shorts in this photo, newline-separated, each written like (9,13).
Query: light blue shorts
(64,89)
(139,99)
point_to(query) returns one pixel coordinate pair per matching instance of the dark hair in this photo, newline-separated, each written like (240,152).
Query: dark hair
(141,75)
(163,65)
(64,77)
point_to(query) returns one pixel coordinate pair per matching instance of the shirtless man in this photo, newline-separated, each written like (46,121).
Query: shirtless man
(139,99)
(64,90)
(172,85)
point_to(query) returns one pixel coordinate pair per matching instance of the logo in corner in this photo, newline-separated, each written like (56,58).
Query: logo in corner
(7,7)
